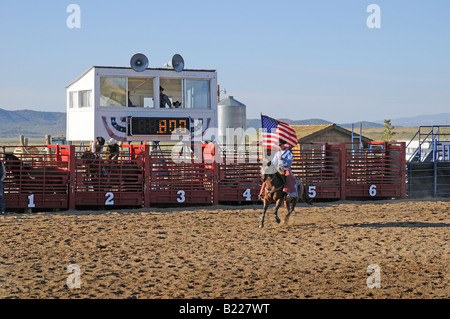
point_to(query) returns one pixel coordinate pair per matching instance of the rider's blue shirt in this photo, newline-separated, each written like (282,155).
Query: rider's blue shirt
(283,158)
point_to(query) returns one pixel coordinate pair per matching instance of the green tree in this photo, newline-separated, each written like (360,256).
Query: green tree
(388,132)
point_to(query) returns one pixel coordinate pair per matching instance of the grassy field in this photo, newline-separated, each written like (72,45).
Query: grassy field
(402,133)
(12,142)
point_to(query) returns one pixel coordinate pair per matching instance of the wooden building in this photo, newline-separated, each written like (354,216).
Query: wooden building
(328,133)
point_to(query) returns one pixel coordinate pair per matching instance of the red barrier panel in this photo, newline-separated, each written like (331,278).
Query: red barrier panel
(319,168)
(376,172)
(108,182)
(180,181)
(179,175)
(37,177)
(239,174)
(59,176)
(239,182)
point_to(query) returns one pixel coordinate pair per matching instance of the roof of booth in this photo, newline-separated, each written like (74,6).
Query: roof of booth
(129,68)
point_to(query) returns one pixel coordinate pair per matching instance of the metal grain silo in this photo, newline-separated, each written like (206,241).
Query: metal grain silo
(231,115)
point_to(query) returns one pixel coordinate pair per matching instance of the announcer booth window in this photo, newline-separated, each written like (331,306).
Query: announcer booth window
(197,94)
(84,98)
(140,92)
(72,99)
(113,91)
(172,89)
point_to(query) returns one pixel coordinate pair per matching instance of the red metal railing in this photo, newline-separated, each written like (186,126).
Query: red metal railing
(376,172)
(319,166)
(58,176)
(239,174)
(36,179)
(181,180)
(108,182)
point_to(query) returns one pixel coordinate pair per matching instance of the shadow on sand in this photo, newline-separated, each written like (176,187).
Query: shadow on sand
(398,224)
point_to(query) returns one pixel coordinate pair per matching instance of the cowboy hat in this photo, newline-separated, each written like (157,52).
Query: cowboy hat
(112,141)
(101,140)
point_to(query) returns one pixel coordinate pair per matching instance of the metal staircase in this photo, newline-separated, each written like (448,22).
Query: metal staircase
(434,144)
(428,168)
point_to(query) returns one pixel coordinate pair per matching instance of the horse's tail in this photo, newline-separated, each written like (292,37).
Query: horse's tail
(308,200)
(304,194)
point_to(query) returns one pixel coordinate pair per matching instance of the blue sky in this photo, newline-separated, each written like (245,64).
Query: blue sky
(287,59)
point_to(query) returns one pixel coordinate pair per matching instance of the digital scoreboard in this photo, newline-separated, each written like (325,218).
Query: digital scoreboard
(142,126)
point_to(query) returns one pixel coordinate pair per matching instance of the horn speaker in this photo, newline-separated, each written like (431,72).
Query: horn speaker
(139,62)
(177,63)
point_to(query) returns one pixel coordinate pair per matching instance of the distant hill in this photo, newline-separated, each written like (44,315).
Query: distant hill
(421,120)
(257,123)
(365,124)
(32,124)
(413,121)
(36,124)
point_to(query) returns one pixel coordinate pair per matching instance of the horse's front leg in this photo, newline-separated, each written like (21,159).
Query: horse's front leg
(261,222)
(277,207)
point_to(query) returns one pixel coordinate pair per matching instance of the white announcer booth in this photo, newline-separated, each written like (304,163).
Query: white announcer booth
(123,104)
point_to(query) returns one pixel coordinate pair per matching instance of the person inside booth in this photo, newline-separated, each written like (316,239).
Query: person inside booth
(113,100)
(130,103)
(163,99)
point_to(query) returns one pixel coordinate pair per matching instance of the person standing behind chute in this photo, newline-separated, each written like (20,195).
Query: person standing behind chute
(113,149)
(96,146)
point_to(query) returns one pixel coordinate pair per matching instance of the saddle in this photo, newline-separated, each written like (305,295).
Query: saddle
(290,182)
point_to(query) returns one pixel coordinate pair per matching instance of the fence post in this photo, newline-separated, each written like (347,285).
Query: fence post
(403,170)
(435,162)
(343,171)
(215,166)
(215,181)
(72,173)
(147,173)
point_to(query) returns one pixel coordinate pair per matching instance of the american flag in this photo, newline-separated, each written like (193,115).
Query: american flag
(274,130)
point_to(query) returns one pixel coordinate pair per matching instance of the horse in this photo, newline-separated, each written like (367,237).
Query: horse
(273,193)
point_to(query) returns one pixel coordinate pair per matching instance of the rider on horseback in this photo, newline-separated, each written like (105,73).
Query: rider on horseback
(283,160)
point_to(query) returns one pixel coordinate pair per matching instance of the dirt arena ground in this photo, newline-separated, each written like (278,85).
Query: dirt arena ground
(323,251)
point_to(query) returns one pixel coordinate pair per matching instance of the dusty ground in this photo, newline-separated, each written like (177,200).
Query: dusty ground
(323,251)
